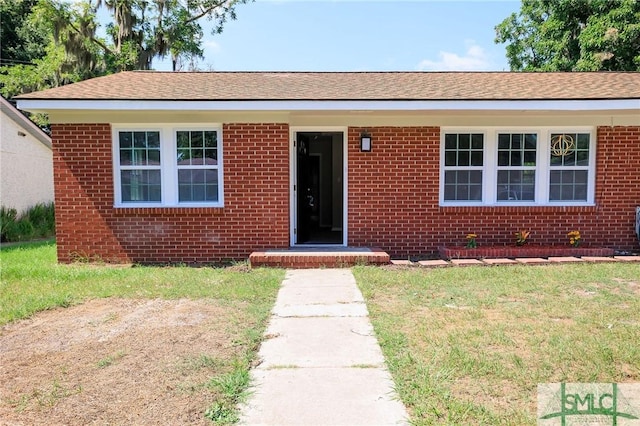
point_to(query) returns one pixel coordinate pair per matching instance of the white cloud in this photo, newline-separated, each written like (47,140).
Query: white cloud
(212,46)
(475,59)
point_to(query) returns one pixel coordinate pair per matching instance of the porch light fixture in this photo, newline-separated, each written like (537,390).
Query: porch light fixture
(365,142)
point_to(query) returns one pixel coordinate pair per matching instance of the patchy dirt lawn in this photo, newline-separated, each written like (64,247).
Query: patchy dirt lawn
(117,361)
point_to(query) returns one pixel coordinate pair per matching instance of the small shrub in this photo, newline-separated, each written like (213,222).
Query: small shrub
(37,222)
(471,240)
(25,230)
(42,217)
(574,238)
(8,218)
(522,237)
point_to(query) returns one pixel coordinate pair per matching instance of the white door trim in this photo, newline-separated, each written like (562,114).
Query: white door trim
(293,130)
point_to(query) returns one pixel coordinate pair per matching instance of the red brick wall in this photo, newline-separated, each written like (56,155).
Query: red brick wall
(393,199)
(255,216)
(394,192)
(393,188)
(83,187)
(617,186)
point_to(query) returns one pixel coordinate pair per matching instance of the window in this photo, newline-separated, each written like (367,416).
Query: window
(140,166)
(463,160)
(492,166)
(197,161)
(569,171)
(167,166)
(516,166)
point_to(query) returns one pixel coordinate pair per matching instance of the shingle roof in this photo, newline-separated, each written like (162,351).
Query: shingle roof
(154,85)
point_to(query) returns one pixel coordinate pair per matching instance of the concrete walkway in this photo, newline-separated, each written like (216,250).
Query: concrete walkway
(321,363)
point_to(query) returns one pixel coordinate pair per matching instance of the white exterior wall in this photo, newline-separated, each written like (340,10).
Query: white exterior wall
(26,167)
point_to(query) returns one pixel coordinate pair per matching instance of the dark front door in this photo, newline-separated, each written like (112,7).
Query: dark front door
(305,199)
(319,204)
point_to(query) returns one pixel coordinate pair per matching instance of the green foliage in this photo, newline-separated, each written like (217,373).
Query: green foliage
(221,413)
(37,222)
(8,218)
(109,360)
(144,30)
(232,387)
(73,27)
(22,41)
(42,217)
(58,41)
(55,66)
(23,231)
(573,35)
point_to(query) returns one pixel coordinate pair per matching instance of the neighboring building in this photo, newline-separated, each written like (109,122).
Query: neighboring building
(200,167)
(26,161)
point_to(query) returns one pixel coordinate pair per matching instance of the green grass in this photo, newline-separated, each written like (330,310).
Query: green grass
(32,281)
(469,345)
(109,360)
(233,388)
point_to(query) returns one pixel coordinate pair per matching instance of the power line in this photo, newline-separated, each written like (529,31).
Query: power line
(15,61)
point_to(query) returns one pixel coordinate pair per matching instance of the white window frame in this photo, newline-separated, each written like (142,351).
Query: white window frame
(121,168)
(572,168)
(494,146)
(168,164)
(543,169)
(445,169)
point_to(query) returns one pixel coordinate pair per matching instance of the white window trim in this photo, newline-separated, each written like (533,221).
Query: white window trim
(444,168)
(539,181)
(543,169)
(168,164)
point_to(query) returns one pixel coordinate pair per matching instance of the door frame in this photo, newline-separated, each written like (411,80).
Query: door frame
(293,207)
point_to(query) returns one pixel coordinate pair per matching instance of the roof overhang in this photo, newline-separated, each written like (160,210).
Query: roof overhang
(51,105)
(24,122)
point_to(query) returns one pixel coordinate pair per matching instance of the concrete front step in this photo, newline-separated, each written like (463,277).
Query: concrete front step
(300,258)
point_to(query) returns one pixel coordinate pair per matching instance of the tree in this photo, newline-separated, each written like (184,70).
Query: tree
(48,43)
(21,40)
(573,35)
(60,43)
(141,30)
(44,63)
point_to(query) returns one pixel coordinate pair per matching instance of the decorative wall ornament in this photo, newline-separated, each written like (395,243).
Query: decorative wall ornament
(562,145)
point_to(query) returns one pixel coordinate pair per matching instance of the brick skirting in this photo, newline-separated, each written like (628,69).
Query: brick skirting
(523,251)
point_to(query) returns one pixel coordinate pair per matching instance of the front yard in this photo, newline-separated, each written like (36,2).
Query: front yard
(469,345)
(133,345)
(91,343)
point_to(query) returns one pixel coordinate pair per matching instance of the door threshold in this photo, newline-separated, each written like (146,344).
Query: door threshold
(327,248)
(317,245)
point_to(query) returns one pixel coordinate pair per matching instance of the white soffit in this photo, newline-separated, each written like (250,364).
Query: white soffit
(46,105)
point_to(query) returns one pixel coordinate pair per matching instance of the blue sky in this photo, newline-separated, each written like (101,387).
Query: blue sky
(343,35)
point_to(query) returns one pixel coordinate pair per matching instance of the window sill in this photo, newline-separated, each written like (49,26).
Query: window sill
(519,208)
(167,210)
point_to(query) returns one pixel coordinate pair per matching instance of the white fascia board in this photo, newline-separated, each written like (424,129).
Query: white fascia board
(331,105)
(24,122)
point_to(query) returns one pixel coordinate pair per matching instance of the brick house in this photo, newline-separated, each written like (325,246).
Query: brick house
(201,167)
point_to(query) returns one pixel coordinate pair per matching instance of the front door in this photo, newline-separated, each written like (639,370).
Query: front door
(319,188)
